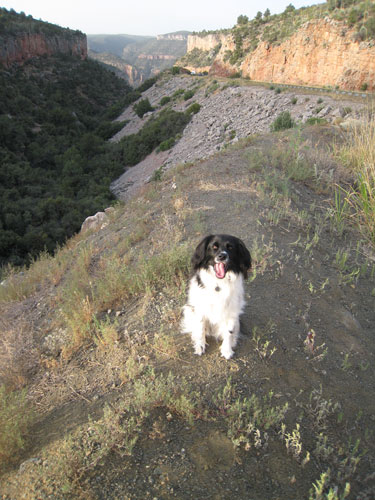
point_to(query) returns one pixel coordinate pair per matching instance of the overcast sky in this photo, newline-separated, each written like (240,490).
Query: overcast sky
(146,17)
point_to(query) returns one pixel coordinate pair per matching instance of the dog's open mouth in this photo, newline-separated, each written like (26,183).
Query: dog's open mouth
(220,270)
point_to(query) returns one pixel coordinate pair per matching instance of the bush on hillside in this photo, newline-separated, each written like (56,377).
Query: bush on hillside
(282,122)
(164,100)
(188,95)
(142,107)
(168,144)
(147,84)
(193,109)
(134,148)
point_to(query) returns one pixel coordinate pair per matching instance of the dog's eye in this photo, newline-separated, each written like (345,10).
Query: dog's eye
(229,247)
(215,246)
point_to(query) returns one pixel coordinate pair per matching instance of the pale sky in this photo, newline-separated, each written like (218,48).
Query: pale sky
(146,17)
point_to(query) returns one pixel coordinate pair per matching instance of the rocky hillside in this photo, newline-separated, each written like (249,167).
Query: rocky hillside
(22,38)
(323,45)
(230,110)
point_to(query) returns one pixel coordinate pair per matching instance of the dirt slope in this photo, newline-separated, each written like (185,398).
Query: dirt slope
(294,407)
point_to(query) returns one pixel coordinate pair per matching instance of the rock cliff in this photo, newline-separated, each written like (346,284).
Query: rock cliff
(20,47)
(322,52)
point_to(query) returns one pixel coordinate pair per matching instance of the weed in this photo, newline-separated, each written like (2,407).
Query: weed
(157,174)
(105,333)
(15,419)
(293,442)
(320,487)
(255,160)
(323,450)
(341,259)
(263,347)
(165,391)
(319,408)
(261,257)
(346,364)
(248,418)
(340,212)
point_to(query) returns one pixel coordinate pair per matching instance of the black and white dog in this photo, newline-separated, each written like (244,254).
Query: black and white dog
(216,292)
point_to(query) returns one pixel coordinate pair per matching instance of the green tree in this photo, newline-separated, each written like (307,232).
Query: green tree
(242,20)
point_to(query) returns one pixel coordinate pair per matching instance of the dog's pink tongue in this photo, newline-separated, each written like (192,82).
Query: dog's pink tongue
(219,270)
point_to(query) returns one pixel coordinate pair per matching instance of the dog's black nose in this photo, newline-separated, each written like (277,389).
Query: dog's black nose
(222,256)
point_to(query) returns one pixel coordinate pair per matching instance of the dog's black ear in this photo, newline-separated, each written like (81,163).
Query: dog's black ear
(200,252)
(245,258)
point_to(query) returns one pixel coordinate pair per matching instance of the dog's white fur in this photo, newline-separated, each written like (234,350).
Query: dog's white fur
(214,309)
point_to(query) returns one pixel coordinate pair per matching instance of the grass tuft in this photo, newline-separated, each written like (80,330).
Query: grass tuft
(358,155)
(15,419)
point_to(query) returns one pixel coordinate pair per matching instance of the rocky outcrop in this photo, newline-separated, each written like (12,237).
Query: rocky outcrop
(97,221)
(20,47)
(322,52)
(209,42)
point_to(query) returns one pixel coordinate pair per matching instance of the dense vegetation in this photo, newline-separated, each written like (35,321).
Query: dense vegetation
(11,23)
(55,163)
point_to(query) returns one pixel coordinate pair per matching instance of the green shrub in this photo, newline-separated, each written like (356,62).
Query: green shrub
(364,86)
(314,120)
(178,93)
(164,100)
(147,84)
(142,107)
(176,70)
(167,144)
(282,122)
(193,109)
(294,100)
(188,95)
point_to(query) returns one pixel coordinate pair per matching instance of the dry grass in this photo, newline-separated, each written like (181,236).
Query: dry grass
(15,418)
(358,155)
(18,355)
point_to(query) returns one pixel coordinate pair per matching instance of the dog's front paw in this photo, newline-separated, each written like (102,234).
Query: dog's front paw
(227,353)
(199,349)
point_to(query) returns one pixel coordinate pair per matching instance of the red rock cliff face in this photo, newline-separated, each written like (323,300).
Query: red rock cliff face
(24,46)
(318,54)
(322,52)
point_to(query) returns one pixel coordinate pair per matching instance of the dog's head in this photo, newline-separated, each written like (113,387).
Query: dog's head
(224,253)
